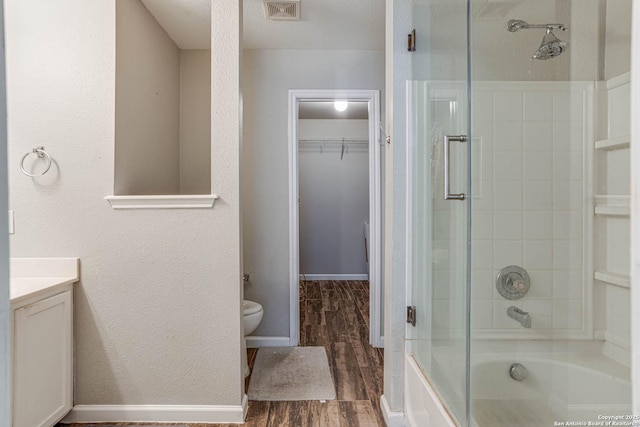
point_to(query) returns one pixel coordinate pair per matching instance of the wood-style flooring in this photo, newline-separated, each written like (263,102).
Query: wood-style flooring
(333,314)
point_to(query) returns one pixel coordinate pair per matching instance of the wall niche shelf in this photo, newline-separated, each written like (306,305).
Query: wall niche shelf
(616,143)
(191,201)
(610,278)
(612,205)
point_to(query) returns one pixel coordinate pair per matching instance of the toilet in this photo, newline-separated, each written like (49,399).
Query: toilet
(252,317)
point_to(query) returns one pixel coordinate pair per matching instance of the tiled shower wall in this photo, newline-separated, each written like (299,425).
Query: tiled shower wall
(529,203)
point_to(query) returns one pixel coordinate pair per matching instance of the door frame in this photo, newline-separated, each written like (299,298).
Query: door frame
(372,97)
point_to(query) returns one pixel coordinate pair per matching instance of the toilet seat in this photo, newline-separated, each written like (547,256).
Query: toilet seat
(251,307)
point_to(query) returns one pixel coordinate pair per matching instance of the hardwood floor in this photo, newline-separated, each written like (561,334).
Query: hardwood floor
(333,314)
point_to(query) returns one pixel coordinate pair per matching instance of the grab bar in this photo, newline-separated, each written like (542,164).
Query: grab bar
(447,192)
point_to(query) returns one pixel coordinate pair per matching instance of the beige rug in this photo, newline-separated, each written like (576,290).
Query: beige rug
(291,373)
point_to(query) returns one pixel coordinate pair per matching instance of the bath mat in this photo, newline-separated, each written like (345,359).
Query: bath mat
(291,373)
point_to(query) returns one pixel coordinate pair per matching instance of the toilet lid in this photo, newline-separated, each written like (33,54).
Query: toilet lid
(251,307)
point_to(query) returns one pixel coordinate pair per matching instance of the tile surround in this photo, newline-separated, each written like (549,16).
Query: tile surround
(530,210)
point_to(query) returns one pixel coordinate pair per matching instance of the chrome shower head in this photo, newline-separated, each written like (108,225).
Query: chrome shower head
(550,47)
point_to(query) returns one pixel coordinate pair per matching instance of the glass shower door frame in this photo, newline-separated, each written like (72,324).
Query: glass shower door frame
(430,233)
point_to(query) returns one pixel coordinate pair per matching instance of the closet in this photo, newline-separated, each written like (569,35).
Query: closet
(333,195)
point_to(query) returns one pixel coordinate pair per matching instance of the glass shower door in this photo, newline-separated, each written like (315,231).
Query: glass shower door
(550,321)
(439,182)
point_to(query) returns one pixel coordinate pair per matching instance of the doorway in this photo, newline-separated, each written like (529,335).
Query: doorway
(371,232)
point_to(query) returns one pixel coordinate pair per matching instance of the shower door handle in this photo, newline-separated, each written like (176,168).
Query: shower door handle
(447,191)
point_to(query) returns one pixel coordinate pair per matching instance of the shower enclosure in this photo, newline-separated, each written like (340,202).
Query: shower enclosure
(518,255)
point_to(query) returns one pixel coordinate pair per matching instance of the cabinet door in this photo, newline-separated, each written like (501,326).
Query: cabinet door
(43,362)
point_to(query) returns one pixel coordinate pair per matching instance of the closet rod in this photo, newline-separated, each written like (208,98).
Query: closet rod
(336,141)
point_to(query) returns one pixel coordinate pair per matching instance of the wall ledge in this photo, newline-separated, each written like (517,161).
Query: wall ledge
(191,201)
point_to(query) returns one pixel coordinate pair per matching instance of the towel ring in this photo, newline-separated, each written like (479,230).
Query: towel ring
(39,151)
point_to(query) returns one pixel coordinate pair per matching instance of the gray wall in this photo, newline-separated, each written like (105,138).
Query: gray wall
(163,109)
(147,104)
(268,76)
(195,121)
(334,197)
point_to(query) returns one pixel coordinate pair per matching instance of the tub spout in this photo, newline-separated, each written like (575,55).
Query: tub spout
(521,316)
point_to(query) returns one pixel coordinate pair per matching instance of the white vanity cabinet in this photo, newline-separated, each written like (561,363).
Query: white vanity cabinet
(42,339)
(43,361)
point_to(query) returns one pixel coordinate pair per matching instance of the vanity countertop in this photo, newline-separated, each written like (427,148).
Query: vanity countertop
(24,287)
(34,277)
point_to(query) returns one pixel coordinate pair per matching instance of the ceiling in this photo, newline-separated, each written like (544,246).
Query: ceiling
(324,24)
(188,22)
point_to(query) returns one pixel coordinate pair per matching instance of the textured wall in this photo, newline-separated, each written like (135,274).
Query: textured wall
(5,407)
(147,104)
(334,197)
(195,121)
(268,77)
(157,312)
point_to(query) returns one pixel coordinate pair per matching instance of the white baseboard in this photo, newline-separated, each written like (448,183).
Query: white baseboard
(334,277)
(257,342)
(222,414)
(380,343)
(393,419)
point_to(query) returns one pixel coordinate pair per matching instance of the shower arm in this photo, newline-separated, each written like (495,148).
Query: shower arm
(517,24)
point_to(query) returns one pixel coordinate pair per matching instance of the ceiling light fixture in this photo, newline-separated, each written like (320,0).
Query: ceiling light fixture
(340,105)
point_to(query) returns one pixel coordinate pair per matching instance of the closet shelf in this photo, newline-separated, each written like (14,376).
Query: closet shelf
(616,143)
(612,205)
(615,279)
(335,141)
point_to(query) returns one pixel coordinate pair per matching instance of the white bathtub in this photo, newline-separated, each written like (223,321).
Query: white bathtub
(567,381)
(557,388)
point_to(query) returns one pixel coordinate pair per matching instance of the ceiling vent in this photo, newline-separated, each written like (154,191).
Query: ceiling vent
(282,10)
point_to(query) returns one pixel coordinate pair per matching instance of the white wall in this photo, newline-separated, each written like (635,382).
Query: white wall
(147,104)
(157,311)
(498,54)
(269,74)
(398,69)
(618,38)
(195,121)
(334,197)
